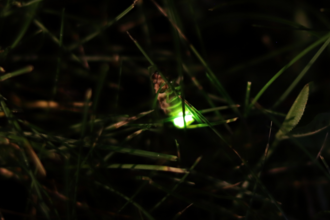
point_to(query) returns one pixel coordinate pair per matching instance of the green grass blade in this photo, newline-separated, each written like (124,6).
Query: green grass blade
(96,33)
(300,55)
(214,80)
(133,196)
(177,185)
(203,111)
(208,99)
(107,187)
(26,23)
(16,73)
(103,73)
(138,152)
(88,96)
(25,143)
(301,75)
(295,113)
(147,167)
(55,39)
(213,123)
(261,17)
(319,123)
(119,82)
(59,58)
(247,97)
(258,60)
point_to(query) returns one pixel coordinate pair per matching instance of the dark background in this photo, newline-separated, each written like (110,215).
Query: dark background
(241,41)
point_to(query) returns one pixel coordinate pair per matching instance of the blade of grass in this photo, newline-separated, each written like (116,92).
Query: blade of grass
(295,113)
(133,196)
(293,140)
(176,185)
(261,167)
(300,55)
(88,96)
(302,73)
(119,81)
(319,123)
(261,17)
(216,109)
(28,148)
(59,58)
(206,97)
(213,123)
(55,40)
(99,31)
(280,4)
(247,97)
(26,23)
(16,73)
(107,187)
(147,167)
(103,73)
(138,152)
(244,65)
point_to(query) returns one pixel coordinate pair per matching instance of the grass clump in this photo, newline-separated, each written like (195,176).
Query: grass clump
(82,134)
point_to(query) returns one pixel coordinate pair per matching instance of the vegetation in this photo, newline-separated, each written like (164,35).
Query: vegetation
(83,137)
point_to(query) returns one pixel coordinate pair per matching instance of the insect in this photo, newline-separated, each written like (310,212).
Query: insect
(169,102)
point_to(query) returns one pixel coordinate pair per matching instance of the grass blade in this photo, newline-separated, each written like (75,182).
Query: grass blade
(59,59)
(26,23)
(319,123)
(301,75)
(109,23)
(32,155)
(107,187)
(300,55)
(16,73)
(295,113)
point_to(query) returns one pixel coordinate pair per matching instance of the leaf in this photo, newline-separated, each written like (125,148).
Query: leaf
(295,113)
(138,152)
(319,123)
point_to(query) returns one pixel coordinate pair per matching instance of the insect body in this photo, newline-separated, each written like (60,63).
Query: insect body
(169,102)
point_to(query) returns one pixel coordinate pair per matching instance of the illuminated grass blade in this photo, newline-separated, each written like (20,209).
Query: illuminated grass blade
(295,113)
(213,123)
(207,98)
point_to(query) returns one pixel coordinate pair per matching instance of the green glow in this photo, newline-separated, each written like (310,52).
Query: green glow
(178,121)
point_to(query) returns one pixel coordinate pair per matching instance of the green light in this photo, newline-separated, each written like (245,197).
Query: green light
(178,121)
